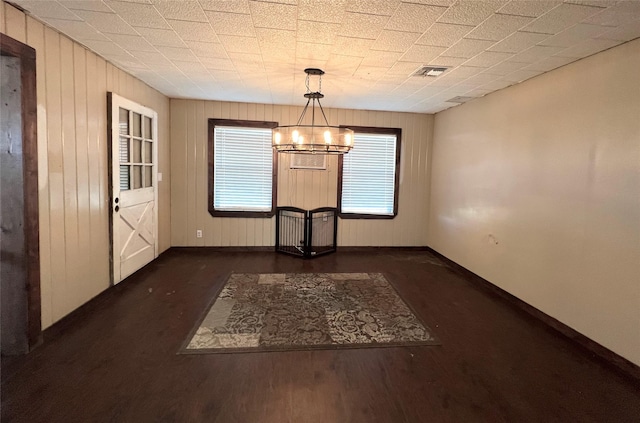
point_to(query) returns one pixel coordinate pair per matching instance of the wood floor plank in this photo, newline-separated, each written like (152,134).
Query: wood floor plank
(115,359)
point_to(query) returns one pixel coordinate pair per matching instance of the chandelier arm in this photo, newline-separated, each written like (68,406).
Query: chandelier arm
(323,115)
(304,112)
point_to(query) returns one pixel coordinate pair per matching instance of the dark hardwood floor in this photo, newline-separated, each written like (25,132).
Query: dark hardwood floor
(115,359)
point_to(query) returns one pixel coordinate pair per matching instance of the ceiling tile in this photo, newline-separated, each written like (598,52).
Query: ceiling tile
(574,35)
(375,7)
(470,12)
(395,41)
(276,38)
(182,10)
(622,13)
(505,68)
(496,27)
(132,42)
(423,54)
(487,59)
(624,32)
(535,53)
(313,51)
(150,58)
(448,61)
(49,9)
(233,6)
(363,25)
(272,15)
(464,72)
(384,59)
(370,73)
(549,63)
(194,31)
(468,48)
(518,42)
(350,46)
(217,63)
(331,11)
(177,53)
(404,68)
(77,30)
(236,44)
(521,75)
(106,22)
(444,35)
(96,6)
(136,14)
(498,84)
(200,49)
(342,65)
(414,17)
(106,48)
(231,23)
(317,32)
(532,8)
(561,18)
(161,37)
(587,48)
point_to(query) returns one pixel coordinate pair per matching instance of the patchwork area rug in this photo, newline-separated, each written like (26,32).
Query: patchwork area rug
(293,311)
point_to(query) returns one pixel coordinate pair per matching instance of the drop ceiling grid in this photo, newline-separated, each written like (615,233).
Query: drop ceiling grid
(218,50)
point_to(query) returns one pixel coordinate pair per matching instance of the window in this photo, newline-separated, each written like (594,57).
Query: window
(242,168)
(368,181)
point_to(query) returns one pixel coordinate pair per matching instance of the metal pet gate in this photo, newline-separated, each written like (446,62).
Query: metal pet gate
(306,233)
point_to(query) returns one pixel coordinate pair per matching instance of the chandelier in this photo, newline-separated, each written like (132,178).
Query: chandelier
(314,138)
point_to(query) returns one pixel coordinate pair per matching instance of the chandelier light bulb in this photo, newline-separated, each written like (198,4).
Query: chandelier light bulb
(347,139)
(327,137)
(278,137)
(294,136)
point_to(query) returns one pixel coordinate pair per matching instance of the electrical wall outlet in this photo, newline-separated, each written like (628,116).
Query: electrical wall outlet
(199,233)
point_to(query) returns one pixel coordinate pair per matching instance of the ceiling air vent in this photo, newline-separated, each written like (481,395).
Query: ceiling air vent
(432,71)
(459,99)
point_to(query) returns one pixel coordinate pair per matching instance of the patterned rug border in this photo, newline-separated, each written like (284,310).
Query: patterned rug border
(327,347)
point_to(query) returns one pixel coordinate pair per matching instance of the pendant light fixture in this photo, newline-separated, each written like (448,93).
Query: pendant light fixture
(314,138)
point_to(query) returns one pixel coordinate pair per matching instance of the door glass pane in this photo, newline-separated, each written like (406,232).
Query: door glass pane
(137,177)
(147,152)
(147,128)
(148,179)
(124,178)
(137,151)
(124,121)
(124,149)
(137,125)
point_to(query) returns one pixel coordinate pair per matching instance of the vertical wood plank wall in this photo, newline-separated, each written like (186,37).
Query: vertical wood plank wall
(72,83)
(299,188)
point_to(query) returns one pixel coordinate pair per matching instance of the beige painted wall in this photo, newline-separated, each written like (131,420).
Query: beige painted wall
(537,189)
(72,161)
(307,189)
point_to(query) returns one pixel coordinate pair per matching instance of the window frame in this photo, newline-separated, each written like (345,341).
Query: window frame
(212,123)
(396,183)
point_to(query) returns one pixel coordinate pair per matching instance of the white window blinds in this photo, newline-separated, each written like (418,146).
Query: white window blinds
(243,169)
(368,175)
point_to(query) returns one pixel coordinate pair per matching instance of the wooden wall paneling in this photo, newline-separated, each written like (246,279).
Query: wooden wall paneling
(2,17)
(69,174)
(201,164)
(86,288)
(211,227)
(109,80)
(103,266)
(178,173)
(35,38)
(15,25)
(56,173)
(192,129)
(94,136)
(425,183)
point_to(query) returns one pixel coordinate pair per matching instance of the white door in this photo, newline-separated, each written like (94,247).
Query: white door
(134,186)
